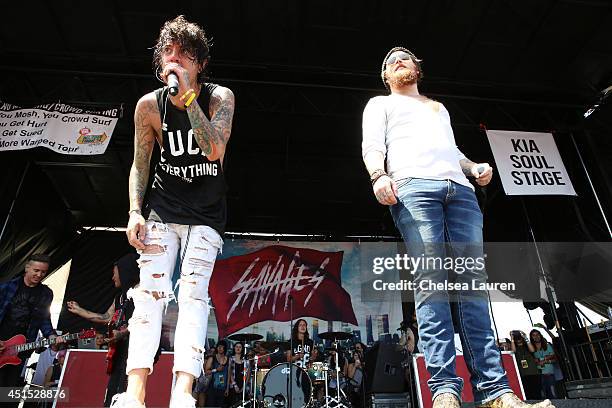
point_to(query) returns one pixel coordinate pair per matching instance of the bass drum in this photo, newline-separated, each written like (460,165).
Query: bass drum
(276,385)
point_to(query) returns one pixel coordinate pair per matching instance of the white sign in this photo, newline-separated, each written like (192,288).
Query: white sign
(61,128)
(529,163)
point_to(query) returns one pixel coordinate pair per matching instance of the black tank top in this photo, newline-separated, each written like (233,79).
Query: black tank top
(188,188)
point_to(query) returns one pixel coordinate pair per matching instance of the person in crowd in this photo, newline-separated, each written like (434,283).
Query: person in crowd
(45,360)
(332,359)
(100,340)
(217,367)
(54,371)
(355,374)
(238,368)
(528,370)
(203,381)
(504,344)
(356,364)
(557,344)
(545,358)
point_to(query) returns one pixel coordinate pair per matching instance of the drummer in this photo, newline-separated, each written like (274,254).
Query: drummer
(302,344)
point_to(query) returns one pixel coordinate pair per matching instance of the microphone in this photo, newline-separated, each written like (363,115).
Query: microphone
(173,83)
(480,169)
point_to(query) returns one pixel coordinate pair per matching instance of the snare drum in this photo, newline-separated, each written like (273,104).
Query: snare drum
(274,387)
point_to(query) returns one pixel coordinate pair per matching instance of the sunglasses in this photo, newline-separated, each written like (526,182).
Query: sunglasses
(400,56)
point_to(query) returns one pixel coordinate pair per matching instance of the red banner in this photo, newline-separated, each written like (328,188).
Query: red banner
(255,287)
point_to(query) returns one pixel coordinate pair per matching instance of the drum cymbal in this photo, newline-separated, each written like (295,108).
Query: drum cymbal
(246,337)
(340,349)
(336,336)
(272,345)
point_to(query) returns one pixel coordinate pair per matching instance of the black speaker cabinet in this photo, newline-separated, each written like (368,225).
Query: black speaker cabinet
(384,372)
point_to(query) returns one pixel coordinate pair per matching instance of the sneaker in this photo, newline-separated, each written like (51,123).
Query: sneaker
(509,400)
(446,400)
(124,400)
(182,400)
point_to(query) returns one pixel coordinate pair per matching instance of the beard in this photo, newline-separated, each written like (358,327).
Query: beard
(402,78)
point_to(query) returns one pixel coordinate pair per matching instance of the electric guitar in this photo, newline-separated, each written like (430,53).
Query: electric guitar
(17,344)
(114,324)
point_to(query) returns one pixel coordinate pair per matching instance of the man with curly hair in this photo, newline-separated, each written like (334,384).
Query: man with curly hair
(185,210)
(417,170)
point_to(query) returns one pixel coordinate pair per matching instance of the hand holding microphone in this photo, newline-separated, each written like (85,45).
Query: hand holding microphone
(180,87)
(483,173)
(171,72)
(173,83)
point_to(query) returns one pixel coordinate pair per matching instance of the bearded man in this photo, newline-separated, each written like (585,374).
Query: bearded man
(417,170)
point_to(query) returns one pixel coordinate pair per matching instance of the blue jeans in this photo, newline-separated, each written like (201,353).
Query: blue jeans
(548,386)
(440,219)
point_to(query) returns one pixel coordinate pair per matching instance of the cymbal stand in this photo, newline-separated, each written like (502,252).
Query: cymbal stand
(244,370)
(253,402)
(336,401)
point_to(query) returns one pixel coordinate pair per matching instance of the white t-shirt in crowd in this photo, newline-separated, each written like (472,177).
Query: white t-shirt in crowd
(415,140)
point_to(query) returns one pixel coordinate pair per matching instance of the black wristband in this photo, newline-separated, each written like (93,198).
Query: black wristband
(376,175)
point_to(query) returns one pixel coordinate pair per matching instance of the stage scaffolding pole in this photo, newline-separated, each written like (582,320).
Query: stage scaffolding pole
(603,214)
(550,294)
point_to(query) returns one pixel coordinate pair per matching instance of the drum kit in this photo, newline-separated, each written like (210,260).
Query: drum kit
(287,385)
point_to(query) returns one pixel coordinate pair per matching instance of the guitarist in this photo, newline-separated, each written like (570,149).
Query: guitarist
(25,309)
(125,276)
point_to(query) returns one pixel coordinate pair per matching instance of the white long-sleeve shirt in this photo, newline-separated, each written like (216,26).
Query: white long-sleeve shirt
(415,140)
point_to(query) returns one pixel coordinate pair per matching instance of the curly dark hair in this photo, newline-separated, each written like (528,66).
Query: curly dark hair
(294,332)
(222,343)
(543,341)
(417,63)
(189,36)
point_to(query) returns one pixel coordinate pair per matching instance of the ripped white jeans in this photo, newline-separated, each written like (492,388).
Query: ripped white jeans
(200,245)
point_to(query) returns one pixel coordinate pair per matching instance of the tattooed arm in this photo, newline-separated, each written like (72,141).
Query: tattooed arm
(212,136)
(466,166)
(146,117)
(470,169)
(100,318)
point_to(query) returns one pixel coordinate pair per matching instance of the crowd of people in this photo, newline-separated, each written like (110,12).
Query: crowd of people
(229,375)
(537,363)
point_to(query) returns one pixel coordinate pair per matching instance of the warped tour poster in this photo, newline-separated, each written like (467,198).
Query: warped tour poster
(256,284)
